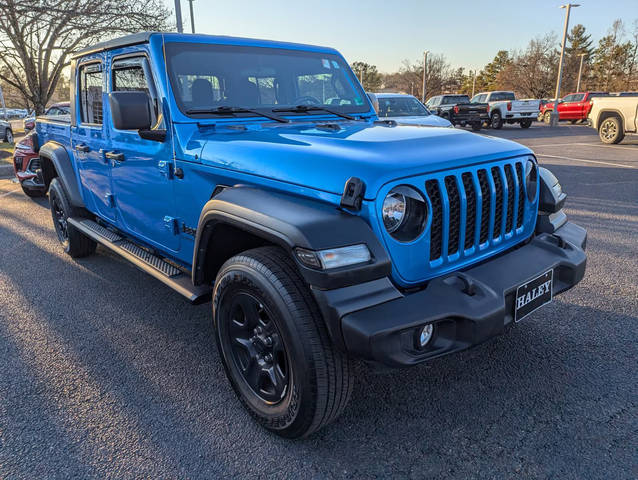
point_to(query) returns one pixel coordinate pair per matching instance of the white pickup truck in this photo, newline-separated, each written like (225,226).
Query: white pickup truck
(504,108)
(614,117)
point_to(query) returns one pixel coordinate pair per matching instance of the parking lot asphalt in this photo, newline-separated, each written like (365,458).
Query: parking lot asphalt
(105,372)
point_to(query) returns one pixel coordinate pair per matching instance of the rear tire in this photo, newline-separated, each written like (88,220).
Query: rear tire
(8,136)
(497,121)
(526,123)
(275,347)
(75,243)
(611,130)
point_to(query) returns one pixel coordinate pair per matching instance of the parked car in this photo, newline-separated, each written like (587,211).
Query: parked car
(258,172)
(573,107)
(504,108)
(405,110)
(614,117)
(62,108)
(6,133)
(459,110)
(26,164)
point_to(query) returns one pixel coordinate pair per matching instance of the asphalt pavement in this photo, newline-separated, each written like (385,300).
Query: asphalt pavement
(105,372)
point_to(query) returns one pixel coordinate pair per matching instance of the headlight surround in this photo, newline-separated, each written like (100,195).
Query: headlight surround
(404,213)
(531,180)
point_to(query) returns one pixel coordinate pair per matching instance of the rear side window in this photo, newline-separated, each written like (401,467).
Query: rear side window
(454,99)
(90,87)
(132,74)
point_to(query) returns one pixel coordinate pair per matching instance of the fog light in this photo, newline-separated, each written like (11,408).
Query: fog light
(425,335)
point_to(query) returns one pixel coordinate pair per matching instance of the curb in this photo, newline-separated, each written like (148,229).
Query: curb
(6,171)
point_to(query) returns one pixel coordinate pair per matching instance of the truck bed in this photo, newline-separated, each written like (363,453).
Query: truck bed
(56,128)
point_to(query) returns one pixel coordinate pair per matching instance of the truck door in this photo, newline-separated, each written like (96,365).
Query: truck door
(141,172)
(89,138)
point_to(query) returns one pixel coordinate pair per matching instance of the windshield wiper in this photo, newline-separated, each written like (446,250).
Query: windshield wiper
(225,110)
(313,108)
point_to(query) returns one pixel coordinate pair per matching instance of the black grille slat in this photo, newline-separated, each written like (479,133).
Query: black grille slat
(455,214)
(498,211)
(521,196)
(436,233)
(486,205)
(470,202)
(34,164)
(509,220)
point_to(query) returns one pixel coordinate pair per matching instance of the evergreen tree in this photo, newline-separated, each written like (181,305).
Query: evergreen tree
(489,76)
(368,75)
(578,42)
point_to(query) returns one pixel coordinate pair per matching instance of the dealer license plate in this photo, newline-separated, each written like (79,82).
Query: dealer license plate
(533,295)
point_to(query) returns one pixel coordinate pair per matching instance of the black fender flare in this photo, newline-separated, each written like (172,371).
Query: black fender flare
(59,156)
(289,221)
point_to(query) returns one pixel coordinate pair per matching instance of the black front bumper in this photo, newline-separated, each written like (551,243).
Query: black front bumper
(374,321)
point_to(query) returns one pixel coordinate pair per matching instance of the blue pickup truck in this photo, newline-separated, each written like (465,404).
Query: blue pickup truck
(257,174)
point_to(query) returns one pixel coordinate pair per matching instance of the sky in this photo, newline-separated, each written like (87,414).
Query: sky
(384,33)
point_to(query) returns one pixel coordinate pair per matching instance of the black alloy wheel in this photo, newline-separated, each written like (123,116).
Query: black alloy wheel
(59,220)
(256,346)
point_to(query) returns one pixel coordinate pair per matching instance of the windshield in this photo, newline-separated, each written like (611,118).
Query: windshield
(454,99)
(206,77)
(401,107)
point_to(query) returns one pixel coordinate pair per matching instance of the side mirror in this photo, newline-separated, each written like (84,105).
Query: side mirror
(130,110)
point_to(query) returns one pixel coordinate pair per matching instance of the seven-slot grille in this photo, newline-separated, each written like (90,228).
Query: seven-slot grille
(471,208)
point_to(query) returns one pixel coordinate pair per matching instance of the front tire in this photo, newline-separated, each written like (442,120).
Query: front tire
(74,242)
(547,118)
(611,130)
(275,347)
(497,121)
(8,136)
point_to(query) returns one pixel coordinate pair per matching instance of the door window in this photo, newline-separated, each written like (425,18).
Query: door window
(91,85)
(132,74)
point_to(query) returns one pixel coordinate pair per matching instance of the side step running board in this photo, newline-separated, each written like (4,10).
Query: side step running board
(143,259)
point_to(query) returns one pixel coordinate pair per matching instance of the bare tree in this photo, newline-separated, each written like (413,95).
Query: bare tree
(532,72)
(37,37)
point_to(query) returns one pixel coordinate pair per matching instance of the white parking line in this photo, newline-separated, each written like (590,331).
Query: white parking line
(588,161)
(583,144)
(9,193)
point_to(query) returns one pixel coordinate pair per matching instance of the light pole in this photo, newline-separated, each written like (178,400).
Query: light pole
(554,114)
(425,69)
(178,16)
(580,70)
(4,107)
(473,84)
(192,16)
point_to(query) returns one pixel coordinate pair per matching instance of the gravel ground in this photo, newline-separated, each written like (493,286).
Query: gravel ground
(107,373)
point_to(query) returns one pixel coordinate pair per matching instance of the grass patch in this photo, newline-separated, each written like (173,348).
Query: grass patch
(6,151)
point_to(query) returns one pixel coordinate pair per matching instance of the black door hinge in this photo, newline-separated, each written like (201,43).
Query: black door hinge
(353,193)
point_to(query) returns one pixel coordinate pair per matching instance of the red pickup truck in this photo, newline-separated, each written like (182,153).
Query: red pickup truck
(572,107)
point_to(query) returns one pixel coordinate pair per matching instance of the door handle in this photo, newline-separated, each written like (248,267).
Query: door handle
(115,156)
(80,147)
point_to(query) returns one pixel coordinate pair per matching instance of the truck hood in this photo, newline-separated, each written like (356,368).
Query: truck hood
(421,120)
(325,157)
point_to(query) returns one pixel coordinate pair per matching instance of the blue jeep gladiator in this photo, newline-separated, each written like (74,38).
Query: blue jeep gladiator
(258,174)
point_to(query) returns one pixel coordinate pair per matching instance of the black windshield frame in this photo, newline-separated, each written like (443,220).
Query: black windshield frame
(174,48)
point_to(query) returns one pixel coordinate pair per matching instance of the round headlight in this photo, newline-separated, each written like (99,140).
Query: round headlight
(404,213)
(531,180)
